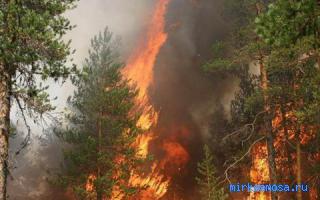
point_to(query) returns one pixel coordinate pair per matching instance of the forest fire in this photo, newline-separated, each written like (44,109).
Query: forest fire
(139,70)
(259,173)
(217,100)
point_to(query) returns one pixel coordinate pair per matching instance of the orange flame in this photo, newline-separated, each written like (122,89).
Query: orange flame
(140,70)
(141,63)
(259,173)
(89,183)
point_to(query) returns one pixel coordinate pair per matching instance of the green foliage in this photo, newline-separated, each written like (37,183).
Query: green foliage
(207,181)
(217,64)
(292,29)
(240,48)
(286,22)
(237,55)
(282,37)
(101,125)
(32,48)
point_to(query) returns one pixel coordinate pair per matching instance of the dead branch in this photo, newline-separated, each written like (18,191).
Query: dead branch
(27,138)
(241,158)
(239,131)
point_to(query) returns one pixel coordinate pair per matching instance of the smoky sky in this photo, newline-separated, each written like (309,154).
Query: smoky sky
(186,96)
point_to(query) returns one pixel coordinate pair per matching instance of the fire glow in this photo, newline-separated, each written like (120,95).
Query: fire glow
(140,71)
(259,173)
(156,178)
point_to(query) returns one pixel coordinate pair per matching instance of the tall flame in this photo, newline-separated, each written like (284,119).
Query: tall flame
(140,65)
(140,70)
(259,173)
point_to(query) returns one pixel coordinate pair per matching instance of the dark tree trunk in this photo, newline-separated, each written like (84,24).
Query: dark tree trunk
(268,127)
(99,127)
(285,125)
(299,176)
(4,127)
(268,114)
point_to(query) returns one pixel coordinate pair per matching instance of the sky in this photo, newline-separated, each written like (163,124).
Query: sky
(125,20)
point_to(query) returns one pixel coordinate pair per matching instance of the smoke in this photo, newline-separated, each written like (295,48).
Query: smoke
(185,96)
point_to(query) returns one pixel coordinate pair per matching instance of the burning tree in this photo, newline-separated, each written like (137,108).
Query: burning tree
(252,111)
(279,115)
(102,127)
(294,74)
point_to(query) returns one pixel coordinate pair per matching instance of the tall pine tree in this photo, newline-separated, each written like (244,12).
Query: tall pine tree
(293,65)
(31,49)
(283,40)
(102,126)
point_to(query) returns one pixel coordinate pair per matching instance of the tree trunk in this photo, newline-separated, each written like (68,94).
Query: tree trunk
(268,114)
(268,125)
(289,162)
(299,179)
(286,134)
(4,127)
(99,190)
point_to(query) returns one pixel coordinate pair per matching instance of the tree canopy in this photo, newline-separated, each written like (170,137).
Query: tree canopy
(101,126)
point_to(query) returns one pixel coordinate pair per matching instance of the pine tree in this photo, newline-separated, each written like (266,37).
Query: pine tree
(31,50)
(283,38)
(102,126)
(294,59)
(207,181)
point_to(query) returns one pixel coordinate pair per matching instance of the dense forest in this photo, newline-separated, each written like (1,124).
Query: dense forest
(214,100)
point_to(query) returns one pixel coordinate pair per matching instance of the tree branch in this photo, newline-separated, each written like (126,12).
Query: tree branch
(241,158)
(236,132)
(27,138)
